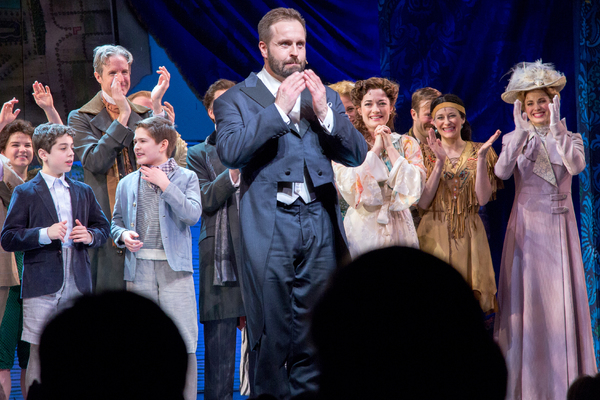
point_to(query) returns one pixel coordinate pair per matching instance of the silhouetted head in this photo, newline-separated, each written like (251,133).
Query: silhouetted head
(400,323)
(115,345)
(585,388)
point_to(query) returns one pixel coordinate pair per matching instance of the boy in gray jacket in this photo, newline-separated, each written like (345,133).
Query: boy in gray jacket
(154,209)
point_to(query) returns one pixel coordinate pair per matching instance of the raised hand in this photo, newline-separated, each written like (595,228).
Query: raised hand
(42,96)
(156,176)
(160,89)
(486,146)
(378,145)
(288,92)
(386,135)
(170,111)
(116,92)
(6,114)
(554,111)
(80,234)
(318,93)
(58,231)
(520,117)
(131,242)
(435,145)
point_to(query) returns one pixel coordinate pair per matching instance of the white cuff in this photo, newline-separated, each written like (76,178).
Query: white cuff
(284,116)
(44,238)
(327,123)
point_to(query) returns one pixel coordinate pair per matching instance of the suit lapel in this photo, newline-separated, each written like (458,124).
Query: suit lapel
(257,91)
(102,120)
(306,110)
(41,188)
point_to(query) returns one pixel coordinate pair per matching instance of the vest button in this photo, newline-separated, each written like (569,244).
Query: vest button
(287,172)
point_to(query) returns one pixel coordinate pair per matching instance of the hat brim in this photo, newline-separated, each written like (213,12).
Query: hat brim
(510,96)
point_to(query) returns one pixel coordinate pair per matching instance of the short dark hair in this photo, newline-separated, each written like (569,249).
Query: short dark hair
(209,96)
(17,126)
(274,16)
(45,136)
(421,95)
(160,129)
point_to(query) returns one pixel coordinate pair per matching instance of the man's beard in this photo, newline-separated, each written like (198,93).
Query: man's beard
(278,67)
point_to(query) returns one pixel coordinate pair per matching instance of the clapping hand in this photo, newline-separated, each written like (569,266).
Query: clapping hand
(435,145)
(318,93)
(160,89)
(170,111)
(80,234)
(42,96)
(556,125)
(481,154)
(6,114)
(554,111)
(288,92)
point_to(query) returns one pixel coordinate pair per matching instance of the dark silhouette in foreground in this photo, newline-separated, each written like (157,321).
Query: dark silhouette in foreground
(399,323)
(117,345)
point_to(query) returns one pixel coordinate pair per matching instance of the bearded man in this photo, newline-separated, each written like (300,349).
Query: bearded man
(282,128)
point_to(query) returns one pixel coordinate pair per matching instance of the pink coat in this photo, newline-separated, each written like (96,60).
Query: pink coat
(543,326)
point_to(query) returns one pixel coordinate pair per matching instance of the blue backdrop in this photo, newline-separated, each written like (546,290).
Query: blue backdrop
(465,47)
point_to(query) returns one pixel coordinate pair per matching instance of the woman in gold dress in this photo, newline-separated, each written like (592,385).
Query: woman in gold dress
(460,179)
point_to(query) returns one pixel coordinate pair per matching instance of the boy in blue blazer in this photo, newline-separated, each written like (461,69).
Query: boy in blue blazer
(154,209)
(53,220)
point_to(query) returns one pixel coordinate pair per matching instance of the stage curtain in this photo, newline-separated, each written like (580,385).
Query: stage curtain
(208,40)
(587,28)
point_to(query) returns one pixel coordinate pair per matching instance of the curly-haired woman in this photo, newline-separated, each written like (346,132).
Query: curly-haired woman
(382,189)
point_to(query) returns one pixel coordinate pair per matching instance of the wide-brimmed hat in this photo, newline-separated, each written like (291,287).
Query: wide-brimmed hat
(528,76)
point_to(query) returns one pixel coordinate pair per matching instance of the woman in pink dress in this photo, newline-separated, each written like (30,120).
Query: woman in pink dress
(543,326)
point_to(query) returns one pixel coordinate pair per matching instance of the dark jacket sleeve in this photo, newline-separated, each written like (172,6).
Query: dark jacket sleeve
(347,146)
(15,234)
(238,141)
(5,194)
(214,193)
(98,152)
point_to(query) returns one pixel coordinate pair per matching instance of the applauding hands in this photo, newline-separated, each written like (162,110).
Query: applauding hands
(294,84)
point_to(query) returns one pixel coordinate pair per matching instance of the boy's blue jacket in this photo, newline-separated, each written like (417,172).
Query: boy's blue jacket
(31,209)
(179,208)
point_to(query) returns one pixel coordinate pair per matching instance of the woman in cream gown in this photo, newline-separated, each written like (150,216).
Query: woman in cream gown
(382,189)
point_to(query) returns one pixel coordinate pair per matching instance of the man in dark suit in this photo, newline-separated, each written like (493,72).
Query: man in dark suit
(104,145)
(283,128)
(220,306)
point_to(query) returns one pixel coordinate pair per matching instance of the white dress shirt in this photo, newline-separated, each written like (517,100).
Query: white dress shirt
(59,190)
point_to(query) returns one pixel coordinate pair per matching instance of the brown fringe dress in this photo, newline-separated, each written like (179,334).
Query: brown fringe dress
(451,228)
